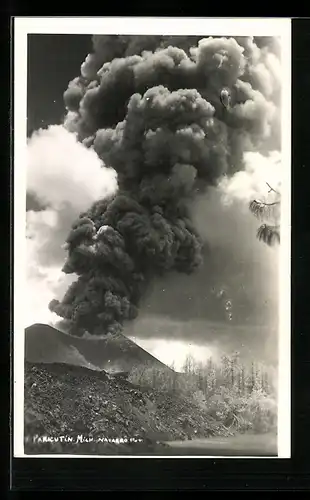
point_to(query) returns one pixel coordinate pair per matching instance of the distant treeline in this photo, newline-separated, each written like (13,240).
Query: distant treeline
(239,396)
(207,377)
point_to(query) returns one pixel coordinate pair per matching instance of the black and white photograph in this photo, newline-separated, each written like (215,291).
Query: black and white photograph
(152,237)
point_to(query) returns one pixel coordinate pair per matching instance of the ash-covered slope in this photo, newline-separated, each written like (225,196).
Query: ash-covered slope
(45,344)
(62,400)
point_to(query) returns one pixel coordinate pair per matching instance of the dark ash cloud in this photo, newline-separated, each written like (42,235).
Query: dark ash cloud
(150,108)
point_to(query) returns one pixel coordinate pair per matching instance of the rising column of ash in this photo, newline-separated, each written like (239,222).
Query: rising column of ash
(157,118)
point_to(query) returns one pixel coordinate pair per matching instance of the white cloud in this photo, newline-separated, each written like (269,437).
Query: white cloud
(62,170)
(68,177)
(251,182)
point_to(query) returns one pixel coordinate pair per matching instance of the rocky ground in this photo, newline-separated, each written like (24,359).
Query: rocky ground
(89,412)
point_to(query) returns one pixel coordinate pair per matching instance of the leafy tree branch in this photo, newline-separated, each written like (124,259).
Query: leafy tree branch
(268,233)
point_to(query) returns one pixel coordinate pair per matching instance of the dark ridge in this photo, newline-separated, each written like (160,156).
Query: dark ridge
(67,369)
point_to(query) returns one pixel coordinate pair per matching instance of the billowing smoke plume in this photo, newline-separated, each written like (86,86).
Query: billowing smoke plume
(156,117)
(65,178)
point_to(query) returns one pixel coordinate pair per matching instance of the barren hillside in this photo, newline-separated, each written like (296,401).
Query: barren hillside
(63,400)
